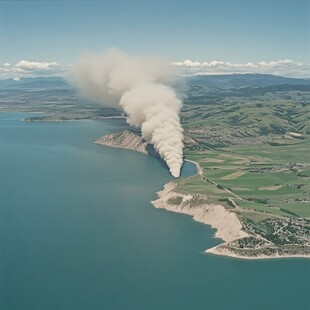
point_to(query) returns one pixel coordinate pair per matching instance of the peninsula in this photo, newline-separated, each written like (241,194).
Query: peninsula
(247,233)
(126,140)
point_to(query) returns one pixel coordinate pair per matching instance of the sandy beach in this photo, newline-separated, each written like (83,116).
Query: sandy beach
(218,250)
(199,169)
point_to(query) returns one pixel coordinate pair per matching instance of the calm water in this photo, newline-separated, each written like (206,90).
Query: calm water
(77,231)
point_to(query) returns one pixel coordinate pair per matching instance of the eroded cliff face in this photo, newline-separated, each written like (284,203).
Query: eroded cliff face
(126,140)
(227,225)
(132,140)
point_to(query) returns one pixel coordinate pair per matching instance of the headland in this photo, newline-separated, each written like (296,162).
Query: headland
(231,222)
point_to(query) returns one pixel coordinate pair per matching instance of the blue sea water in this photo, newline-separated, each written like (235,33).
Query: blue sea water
(77,231)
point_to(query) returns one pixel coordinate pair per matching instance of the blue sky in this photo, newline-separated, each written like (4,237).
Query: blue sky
(235,31)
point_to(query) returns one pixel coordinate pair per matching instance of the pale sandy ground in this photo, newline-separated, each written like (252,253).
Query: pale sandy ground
(234,175)
(270,188)
(295,134)
(226,252)
(227,225)
(125,140)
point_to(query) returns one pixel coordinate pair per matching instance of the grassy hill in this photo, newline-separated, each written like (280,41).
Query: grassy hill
(253,146)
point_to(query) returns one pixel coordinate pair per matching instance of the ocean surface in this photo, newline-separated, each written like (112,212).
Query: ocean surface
(77,231)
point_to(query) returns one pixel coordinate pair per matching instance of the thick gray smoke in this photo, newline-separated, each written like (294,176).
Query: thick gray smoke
(141,86)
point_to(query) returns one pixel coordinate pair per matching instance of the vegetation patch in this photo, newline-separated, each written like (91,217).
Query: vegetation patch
(175,200)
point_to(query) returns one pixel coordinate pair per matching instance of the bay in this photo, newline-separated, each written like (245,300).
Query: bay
(77,231)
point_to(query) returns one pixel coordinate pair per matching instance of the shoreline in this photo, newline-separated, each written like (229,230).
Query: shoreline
(199,169)
(228,253)
(226,223)
(228,227)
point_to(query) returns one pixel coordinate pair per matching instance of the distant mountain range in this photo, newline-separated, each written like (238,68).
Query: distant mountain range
(35,83)
(243,80)
(210,81)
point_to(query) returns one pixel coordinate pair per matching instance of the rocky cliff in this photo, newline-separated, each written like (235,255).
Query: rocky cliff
(126,140)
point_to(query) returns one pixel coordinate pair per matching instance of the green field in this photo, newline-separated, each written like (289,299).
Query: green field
(265,178)
(252,148)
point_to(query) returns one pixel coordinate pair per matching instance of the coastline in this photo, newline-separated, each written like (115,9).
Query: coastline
(126,140)
(217,250)
(199,169)
(226,223)
(229,227)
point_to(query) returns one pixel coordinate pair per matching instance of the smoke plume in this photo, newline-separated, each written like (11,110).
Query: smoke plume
(141,87)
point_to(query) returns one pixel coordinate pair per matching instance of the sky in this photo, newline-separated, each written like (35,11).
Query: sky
(208,36)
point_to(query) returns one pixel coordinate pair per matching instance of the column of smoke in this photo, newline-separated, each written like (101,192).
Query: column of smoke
(141,87)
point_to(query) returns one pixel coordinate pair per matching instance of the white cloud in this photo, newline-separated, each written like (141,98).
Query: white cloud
(25,68)
(285,67)
(30,65)
(6,68)
(190,63)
